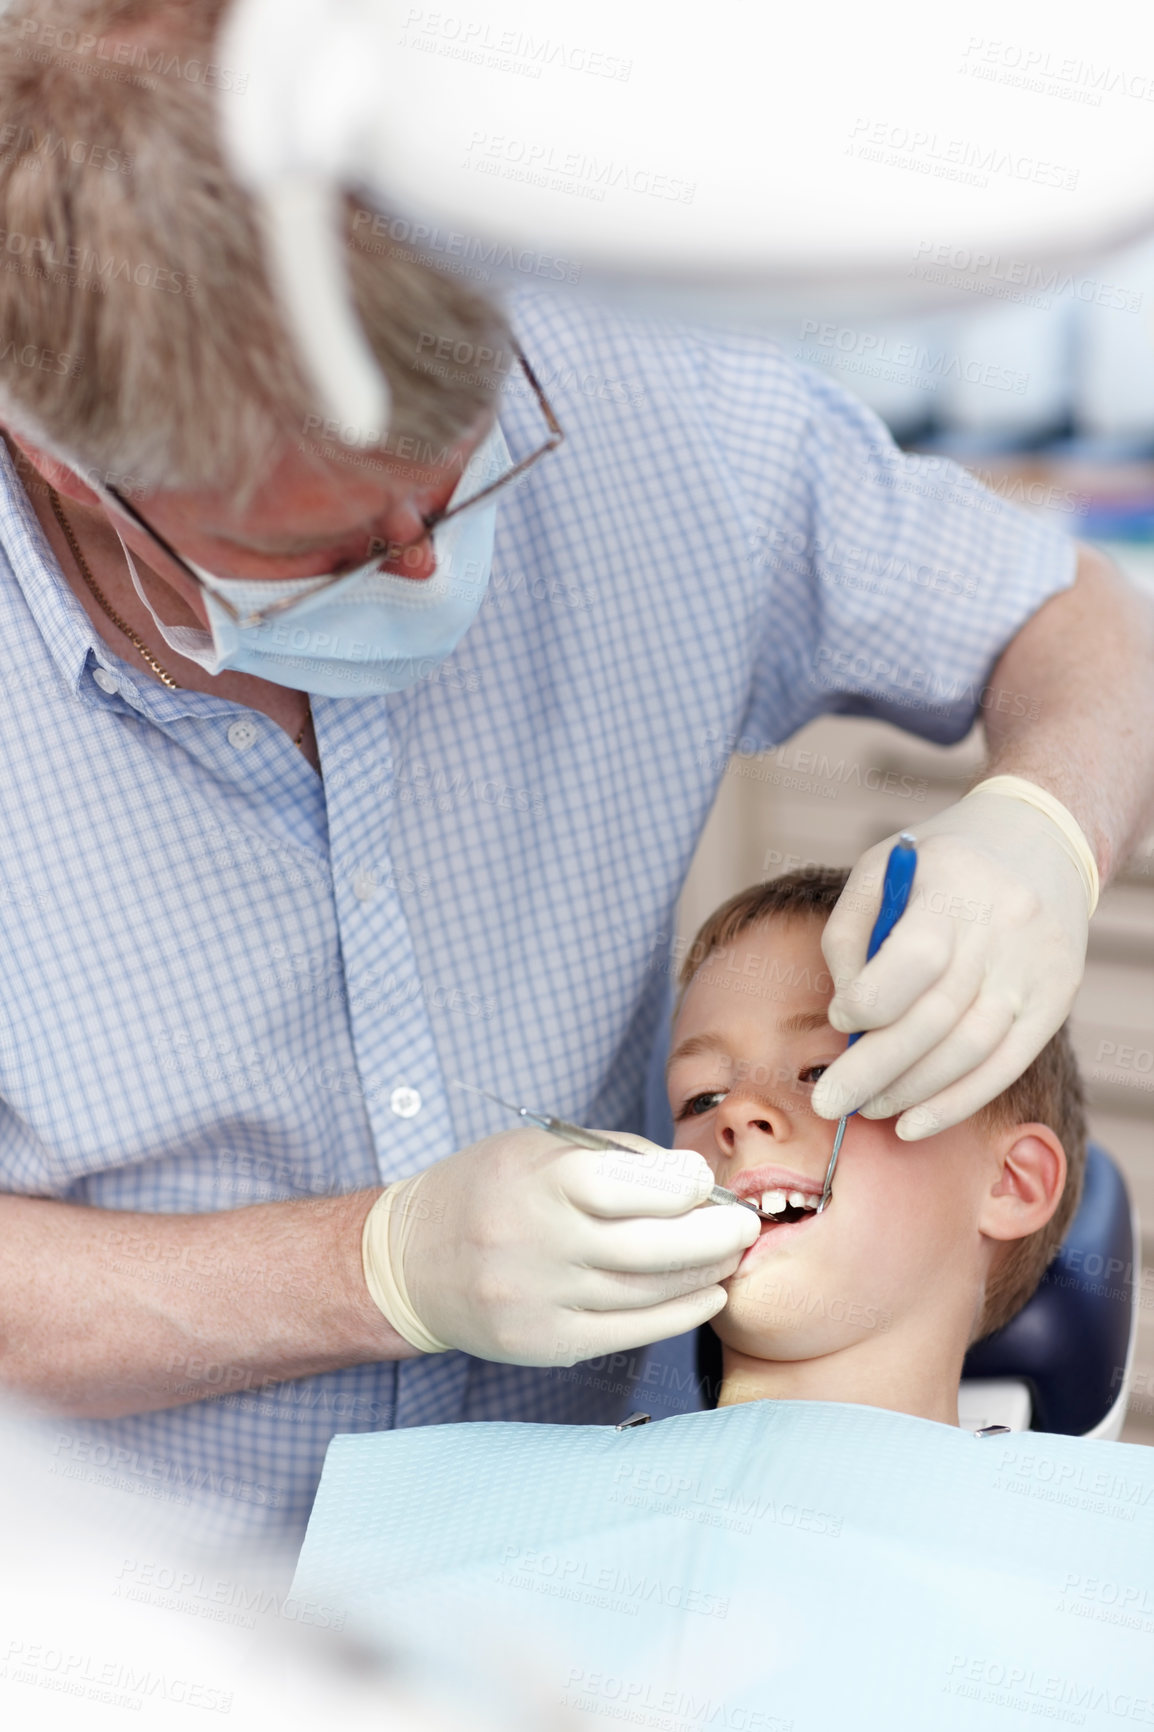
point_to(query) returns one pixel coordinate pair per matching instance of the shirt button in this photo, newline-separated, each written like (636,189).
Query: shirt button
(241,735)
(364,889)
(106,680)
(405,1102)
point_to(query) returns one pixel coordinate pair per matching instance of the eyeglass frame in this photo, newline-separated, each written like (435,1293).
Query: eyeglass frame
(431,520)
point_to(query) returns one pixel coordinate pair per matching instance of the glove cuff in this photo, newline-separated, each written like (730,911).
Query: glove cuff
(387,1227)
(1073,838)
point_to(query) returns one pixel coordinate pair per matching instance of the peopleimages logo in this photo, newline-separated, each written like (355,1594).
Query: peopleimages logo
(42,253)
(696,1499)
(32,356)
(454,244)
(1030,67)
(1008,1684)
(26,142)
(113,1683)
(645,1702)
(962,159)
(963,266)
(546,164)
(506,50)
(922,364)
(609,1586)
(42,39)
(134,1470)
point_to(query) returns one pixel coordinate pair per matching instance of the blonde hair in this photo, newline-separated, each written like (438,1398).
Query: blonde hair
(1048,1092)
(138,329)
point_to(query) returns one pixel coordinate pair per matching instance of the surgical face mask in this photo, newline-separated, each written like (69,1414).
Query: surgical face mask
(370,631)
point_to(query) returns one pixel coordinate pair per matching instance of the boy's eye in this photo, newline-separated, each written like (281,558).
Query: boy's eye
(701,1103)
(813,1073)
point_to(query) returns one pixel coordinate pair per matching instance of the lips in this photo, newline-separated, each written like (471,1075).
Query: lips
(786,1195)
(750,1185)
(774,1190)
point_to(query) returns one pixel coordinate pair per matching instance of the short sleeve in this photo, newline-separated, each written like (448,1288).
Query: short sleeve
(893,581)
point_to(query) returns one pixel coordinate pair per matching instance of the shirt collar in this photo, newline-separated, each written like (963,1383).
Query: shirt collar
(63,624)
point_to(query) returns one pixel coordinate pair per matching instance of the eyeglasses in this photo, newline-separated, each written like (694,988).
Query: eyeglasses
(391,551)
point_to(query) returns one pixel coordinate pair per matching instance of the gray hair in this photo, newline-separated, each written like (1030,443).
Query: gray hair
(138,329)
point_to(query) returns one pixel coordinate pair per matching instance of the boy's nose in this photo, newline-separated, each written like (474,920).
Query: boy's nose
(734,1137)
(744,1121)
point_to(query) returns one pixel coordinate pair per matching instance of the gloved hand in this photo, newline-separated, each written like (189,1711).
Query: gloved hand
(976,976)
(525,1250)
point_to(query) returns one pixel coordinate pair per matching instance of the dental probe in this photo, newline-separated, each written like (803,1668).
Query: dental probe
(584,1139)
(896,886)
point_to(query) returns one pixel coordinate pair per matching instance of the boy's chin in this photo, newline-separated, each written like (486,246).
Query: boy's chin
(781,1341)
(795,1323)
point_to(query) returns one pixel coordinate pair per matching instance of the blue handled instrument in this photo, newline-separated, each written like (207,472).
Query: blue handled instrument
(896,887)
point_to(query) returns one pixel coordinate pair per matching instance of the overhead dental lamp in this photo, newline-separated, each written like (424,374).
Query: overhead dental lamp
(735,159)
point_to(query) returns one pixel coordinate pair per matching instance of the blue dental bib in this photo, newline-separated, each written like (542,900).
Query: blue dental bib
(775,1565)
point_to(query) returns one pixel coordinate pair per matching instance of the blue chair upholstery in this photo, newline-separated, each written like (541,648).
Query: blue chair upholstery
(1070,1342)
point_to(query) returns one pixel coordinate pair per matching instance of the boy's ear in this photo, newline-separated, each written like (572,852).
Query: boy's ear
(1030,1180)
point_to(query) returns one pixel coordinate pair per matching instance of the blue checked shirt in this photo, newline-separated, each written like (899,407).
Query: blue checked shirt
(225,981)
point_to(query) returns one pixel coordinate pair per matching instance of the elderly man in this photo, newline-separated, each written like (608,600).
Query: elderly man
(282,856)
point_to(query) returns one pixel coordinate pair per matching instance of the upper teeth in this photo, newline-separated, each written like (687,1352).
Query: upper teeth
(773,1202)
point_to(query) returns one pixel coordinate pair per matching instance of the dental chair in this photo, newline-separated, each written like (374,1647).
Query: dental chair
(1065,1362)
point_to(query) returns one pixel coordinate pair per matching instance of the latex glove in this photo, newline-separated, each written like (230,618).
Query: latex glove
(976,976)
(527,1251)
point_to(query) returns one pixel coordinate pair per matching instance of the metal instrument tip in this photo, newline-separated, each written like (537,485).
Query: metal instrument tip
(827,1188)
(455,1082)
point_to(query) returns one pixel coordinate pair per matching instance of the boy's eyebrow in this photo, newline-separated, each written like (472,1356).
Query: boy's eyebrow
(695,1044)
(802,1022)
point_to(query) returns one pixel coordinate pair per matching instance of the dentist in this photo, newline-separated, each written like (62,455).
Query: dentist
(332,775)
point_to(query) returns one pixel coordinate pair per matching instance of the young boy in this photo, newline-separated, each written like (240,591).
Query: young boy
(924,1247)
(873,1569)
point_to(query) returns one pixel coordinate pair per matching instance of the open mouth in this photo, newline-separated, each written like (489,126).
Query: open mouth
(786,1207)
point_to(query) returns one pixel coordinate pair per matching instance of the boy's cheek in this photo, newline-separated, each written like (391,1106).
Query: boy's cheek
(703,1142)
